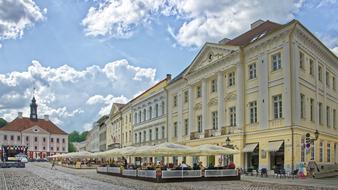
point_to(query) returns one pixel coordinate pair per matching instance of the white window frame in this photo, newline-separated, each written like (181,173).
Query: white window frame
(252,71)
(253,112)
(277,102)
(276,61)
(214,119)
(232,115)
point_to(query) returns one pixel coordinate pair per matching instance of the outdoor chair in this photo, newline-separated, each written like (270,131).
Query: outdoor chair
(264,172)
(294,173)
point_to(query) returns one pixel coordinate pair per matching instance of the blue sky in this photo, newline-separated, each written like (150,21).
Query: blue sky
(82,55)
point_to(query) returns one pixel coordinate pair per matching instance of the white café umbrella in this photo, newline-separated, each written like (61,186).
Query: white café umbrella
(210,150)
(164,149)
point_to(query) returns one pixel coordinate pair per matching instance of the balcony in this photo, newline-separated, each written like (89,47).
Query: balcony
(211,133)
(194,135)
(227,130)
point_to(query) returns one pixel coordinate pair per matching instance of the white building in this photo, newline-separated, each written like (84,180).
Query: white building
(41,137)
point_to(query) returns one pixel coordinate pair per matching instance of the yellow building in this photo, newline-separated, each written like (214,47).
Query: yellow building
(114,127)
(126,128)
(264,89)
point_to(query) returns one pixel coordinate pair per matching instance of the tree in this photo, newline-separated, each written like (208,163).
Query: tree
(71,147)
(2,122)
(78,137)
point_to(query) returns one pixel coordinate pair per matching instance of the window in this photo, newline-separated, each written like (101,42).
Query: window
(35,147)
(135,117)
(232,112)
(198,92)
(320,114)
(276,61)
(150,135)
(334,83)
(63,148)
(156,133)
(186,96)
(334,115)
(57,140)
(302,106)
(320,74)
(186,126)
(139,116)
(139,137)
(52,148)
(51,140)
(144,136)
(312,109)
(175,129)
(163,107)
(5,137)
(63,140)
(327,76)
(213,86)
(252,71)
(36,139)
(199,123)
(311,67)
(175,101)
(18,138)
(328,123)
(12,137)
(302,150)
(163,132)
(277,107)
(328,152)
(57,148)
(301,60)
(27,138)
(253,111)
(335,152)
(44,148)
(231,79)
(135,138)
(44,139)
(156,110)
(150,112)
(214,120)
(321,153)
(312,151)
(144,114)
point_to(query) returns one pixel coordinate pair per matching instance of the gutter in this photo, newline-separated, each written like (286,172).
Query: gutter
(291,127)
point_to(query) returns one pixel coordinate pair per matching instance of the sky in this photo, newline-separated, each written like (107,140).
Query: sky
(80,56)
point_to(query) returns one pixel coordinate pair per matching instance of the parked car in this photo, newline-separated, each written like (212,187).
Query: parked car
(24,160)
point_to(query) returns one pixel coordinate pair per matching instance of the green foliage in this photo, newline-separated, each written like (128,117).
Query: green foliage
(71,147)
(2,122)
(77,137)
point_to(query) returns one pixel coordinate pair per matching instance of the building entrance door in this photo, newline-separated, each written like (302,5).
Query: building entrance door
(277,158)
(253,159)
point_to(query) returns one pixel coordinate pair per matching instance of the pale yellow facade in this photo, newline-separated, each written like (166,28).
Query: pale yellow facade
(126,130)
(265,96)
(114,127)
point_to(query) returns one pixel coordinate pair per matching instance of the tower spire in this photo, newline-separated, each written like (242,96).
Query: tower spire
(34,109)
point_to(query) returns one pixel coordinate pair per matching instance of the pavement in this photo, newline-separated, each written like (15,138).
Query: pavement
(40,176)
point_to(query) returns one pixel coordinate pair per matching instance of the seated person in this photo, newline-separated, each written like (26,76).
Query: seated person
(200,165)
(196,167)
(183,166)
(231,165)
(211,166)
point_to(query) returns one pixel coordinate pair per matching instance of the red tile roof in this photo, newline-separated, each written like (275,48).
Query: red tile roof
(260,31)
(21,124)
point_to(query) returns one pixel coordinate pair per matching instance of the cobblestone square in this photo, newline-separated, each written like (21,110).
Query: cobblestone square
(40,176)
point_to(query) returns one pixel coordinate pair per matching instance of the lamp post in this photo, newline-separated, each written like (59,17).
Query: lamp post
(231,146)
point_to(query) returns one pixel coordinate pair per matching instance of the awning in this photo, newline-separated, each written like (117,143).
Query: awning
(249,147)
(274,146)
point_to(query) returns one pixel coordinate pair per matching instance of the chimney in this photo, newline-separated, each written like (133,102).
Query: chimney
(20,115)
(46,117)
(224,41)
(257,23)
(169,77)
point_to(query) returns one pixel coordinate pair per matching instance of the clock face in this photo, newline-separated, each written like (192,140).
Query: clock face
(35,130)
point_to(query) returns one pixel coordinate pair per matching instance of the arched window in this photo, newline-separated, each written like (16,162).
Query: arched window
(156,110)
(144,114)
(163,108)
(150,112)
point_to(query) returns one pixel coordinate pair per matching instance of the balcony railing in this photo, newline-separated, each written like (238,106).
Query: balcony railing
(227,130)
(194,135)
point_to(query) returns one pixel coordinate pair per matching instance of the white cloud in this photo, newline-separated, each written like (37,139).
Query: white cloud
(17,15)
(335,50)
(0,46)
(72,97)
(203,20)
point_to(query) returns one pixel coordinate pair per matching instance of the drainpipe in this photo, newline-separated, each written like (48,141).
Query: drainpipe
(292,130)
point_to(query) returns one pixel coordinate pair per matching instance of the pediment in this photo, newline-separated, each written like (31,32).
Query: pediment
(35,130)
(207,56)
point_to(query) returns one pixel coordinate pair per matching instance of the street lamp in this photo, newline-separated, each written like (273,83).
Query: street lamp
(316,134)
(227,142)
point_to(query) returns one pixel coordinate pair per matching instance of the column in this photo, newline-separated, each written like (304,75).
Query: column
(204,105)
(240,96)
(220,95)
(263,98)
(170,122)
(191,110)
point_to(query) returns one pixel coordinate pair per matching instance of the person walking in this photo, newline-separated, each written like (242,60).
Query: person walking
(53,165)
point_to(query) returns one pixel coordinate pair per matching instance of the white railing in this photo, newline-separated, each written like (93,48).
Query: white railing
(129,172)
(115,170)
(146,173)
(221,173)
(181,174)
(102,169)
